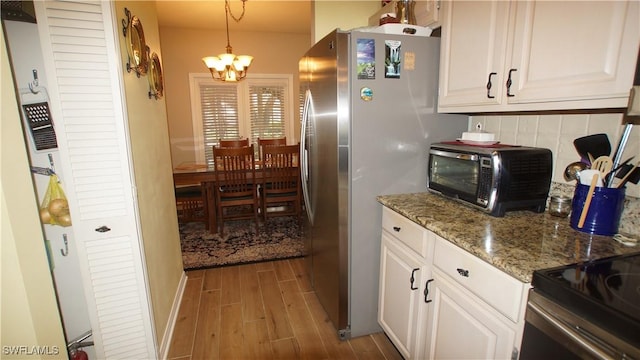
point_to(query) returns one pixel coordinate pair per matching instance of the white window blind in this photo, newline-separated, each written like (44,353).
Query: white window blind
(219,115)
(253,108)
(266,104)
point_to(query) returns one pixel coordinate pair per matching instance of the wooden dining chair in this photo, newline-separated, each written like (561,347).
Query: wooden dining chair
(191,204)
(281,187)
(270,142)
(233,143)
(236,186)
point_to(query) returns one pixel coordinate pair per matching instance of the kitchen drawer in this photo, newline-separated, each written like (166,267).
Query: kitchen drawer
(409,233)
(498,289)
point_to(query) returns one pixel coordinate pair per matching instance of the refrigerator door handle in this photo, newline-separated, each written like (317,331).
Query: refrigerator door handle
(304,155)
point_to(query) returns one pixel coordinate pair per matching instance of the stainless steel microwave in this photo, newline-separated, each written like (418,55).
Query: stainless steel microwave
(494,179)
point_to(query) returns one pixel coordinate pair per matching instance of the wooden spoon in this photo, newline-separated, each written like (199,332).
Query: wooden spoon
(603,164)
(587,202)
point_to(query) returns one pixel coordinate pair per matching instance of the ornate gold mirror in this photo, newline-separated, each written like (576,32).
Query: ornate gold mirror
(136,46)
(156,82)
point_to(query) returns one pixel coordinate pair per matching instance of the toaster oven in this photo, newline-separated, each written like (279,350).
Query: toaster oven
(493,178)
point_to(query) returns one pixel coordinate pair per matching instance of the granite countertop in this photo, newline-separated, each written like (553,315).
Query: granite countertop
(518,243)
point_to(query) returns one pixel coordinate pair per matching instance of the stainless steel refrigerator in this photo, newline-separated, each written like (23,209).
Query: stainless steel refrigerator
(368,119)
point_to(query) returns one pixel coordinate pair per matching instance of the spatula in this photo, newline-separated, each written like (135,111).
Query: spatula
(603,164)
(597,145)
(614,172)
(626,177)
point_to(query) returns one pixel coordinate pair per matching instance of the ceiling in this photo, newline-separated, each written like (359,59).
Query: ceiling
(261,15)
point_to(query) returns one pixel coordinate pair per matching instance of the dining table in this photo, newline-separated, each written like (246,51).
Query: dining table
(195,173)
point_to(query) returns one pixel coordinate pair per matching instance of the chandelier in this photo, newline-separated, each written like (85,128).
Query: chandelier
(228,66)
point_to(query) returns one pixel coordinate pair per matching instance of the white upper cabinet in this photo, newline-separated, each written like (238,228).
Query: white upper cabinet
(473,53)
(537,55)
(428,13)
(587,56)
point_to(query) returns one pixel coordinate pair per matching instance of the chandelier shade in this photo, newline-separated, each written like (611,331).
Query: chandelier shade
(228,66)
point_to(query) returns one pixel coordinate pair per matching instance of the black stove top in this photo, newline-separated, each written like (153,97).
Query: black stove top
(605,292)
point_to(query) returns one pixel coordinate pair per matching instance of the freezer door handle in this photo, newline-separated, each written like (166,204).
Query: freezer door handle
(304,156)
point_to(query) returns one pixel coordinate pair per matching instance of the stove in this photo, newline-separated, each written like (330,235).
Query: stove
(599,300)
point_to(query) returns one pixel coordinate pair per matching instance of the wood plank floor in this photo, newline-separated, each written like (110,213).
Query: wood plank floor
(262,311)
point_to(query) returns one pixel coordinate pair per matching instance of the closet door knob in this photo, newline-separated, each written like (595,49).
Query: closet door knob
(103,229)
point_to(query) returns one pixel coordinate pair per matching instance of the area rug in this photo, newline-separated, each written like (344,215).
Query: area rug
(278,238)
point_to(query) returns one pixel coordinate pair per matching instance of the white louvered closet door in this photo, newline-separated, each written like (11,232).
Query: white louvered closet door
(84,73)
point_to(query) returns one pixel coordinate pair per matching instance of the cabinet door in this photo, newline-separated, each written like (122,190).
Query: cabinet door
(462,326)
(473,53)
(567,51)
(399,296)
(427,13)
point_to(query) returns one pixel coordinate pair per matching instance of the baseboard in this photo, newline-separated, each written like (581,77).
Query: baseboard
(173,317)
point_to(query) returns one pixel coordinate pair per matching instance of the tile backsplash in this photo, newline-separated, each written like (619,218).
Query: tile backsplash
(557,132)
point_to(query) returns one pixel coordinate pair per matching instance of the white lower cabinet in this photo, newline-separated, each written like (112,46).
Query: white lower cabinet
(437,301)
(406,251)
(400,305)
(461,327)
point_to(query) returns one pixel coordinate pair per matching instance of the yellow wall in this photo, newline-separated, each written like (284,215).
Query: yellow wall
(28,310)
(183,49)
(328,15)
(149,139)
(274,53)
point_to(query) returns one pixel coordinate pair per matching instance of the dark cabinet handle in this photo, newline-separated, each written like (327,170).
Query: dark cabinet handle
(396,228)
(463,272)
(510,82)
(426,291)
(413,278)
(103,228)
(489,86)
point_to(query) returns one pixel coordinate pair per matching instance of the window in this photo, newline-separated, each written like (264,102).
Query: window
(258,106)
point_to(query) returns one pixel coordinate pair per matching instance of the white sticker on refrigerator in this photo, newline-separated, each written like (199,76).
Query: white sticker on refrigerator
(409,60)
